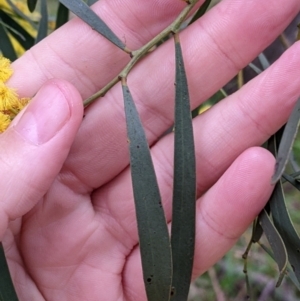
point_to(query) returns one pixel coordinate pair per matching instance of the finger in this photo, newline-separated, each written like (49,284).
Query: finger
(248,117)
(244,119)
(228,208)
(209,66)
(34,147)
(84,57)
(223,214)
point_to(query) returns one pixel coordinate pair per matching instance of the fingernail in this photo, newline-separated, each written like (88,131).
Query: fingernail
(45,115)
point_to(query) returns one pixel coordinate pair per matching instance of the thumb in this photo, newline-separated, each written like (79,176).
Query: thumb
(35,146)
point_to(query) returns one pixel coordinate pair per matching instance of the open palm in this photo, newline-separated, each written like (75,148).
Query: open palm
(67,200)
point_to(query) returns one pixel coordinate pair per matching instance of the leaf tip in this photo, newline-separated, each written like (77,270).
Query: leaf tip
(277,172)
(274,179)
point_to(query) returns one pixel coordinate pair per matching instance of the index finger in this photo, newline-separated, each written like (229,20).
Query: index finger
(83,57)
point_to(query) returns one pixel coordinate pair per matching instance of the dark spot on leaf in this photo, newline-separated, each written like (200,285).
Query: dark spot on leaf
(293,267)
(172,292)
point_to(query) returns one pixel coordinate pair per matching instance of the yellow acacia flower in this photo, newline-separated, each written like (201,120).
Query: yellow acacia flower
(4,122)
(10,103)
(21,103)
(8,97)
(5,69)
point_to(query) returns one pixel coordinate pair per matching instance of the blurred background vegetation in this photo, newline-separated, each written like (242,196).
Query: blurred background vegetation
(226,281)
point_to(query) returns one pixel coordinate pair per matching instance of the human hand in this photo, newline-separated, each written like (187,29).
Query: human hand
(73,235)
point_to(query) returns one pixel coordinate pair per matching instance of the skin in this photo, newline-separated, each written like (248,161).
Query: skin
(67,216)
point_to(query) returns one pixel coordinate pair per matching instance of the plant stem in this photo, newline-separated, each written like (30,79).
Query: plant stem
(138,54)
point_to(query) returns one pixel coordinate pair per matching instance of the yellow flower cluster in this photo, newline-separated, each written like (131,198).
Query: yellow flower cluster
(10,103)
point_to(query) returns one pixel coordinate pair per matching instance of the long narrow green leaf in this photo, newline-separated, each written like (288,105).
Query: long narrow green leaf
(43,25)
(293,162)
(91,2)
(152,227)
(255,68)
(31,4)
(291,274)
(276,243)
(17,31)
(280,213)
(292,181)
(289,271)
(295,175)
(84,12)
(286,142)
(21,14)
(257,232)
(201,11)
(62,15)
(7,290)
(284,225)
(6,46)
(184,187)
(264,61)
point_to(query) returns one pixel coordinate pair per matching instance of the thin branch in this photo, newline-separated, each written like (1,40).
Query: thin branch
(138,54)
(216,285)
